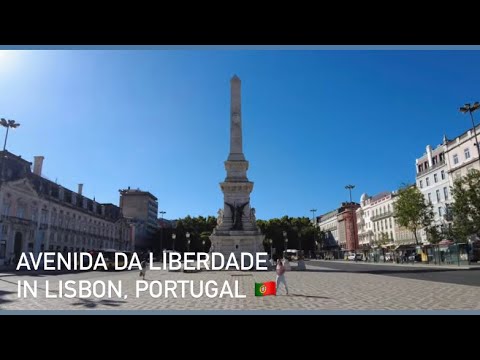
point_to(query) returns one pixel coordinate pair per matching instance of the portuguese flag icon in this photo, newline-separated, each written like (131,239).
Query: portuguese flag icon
(266,288)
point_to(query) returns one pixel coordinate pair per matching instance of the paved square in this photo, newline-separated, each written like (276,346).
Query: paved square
(318,288)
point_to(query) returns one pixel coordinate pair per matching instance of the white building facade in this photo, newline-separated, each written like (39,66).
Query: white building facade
(375,219)
(432,179)
(461,154)
(328,223)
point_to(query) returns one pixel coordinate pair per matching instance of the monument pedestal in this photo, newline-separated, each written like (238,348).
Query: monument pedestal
(237,242)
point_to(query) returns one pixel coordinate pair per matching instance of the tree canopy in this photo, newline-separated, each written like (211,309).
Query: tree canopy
(411,211)
(466,206)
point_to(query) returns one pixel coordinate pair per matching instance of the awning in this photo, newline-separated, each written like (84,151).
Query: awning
(404,247)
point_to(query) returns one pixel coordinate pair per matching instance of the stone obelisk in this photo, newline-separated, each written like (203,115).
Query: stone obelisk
(236,229)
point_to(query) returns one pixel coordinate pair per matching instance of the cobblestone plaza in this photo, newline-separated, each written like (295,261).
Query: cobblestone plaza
(318,288)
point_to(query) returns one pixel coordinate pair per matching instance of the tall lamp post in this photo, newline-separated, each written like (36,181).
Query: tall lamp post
(161,212)
(174,236)
(270,241)
(350,188)
(188,241)
(203,245)
(314,222)
(8,124)
(286,242)
(470,109)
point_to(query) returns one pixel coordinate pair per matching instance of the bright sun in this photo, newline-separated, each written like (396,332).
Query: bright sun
(7,59)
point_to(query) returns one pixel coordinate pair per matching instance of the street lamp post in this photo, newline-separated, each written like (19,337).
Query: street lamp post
(203,245)
(286,242)
(349,188)
(8,124)
(188,241)
(174,236)
(161,228)
(314,222)
(270,241)
(470,109)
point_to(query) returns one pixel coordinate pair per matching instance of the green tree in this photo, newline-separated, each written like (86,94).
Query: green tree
(466,206)
(434,235)
(411,211)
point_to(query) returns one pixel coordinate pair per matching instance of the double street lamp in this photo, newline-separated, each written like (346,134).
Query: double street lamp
(470,109)
(270,241)
(161,228)
(8,124)
(285,239)
(188,241)
(350,188)
(314,222)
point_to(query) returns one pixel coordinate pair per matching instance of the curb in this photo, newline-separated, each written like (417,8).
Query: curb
(433,266)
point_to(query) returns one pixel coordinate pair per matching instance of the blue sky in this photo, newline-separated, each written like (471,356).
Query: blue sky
(313,121)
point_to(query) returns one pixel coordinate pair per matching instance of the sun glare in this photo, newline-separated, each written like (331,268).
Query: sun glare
(7,59)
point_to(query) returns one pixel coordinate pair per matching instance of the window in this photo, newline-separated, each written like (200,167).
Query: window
(429,198)
(455,159)
(3,248)
(421,184)
(434,160)
(6,209)
(440,157)
(427,181)
(44,216)
(445,193)
(438,195)
(435,178)
(20,211)
(420,168)
(440,211)
(467,153)
(442,173)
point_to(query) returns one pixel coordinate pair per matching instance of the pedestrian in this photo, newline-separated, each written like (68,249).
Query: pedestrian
(143,270)
(281,275)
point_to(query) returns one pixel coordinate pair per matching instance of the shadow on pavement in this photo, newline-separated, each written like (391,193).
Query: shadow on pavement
(2,294)
(310,296)
(93,304)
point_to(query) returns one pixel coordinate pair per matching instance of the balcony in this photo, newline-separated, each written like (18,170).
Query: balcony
(382,216)
(434,166)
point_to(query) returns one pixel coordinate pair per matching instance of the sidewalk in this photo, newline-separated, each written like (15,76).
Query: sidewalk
(460,267)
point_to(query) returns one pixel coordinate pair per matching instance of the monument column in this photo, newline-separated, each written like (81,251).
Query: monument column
(236,229)
(236,148)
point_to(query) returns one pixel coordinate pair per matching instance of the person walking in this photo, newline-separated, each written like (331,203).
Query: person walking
(143,271)
(281,275)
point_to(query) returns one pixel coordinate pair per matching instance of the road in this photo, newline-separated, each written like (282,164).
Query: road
(451,276)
